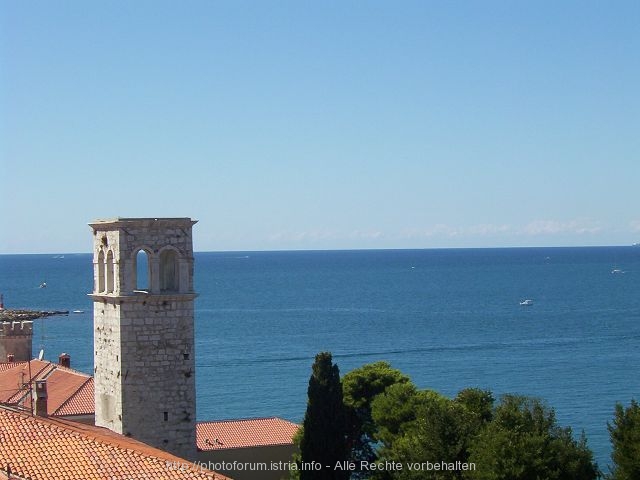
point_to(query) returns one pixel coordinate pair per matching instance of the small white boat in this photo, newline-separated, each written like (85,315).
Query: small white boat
(43,285)
(78,311)
(617,271)
(526,302)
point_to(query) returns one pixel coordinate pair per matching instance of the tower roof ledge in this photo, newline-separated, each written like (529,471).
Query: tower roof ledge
(145,221)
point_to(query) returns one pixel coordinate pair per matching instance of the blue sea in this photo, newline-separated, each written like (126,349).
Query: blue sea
(449,318)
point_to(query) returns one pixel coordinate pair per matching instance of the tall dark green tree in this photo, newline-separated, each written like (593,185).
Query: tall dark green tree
(324,438)
(625,442)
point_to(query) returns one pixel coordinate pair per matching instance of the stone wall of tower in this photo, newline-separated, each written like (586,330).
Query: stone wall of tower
(144,339)
(107,365)
(16,339)
(145,371)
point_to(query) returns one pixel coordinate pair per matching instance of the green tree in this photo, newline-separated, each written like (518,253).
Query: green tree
(524,441)
(479,404)
(296,458)
(324,440)
(393,411)
(625,442)
(424,427)
(360,387)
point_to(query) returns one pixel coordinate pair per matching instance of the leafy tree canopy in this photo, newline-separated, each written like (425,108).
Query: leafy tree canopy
(524,441)
(363,384)
(625,441)
(360,387)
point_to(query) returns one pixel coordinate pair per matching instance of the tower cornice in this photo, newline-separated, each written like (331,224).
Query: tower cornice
(143,222)
(141,297)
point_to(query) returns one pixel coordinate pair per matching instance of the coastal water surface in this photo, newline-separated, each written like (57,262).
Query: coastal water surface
(450,319)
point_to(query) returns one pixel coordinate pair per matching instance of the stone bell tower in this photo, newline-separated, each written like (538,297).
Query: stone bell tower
(143,330)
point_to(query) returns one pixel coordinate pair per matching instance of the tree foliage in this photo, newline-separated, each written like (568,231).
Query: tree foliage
(479,404)
(518,439)
(625,442)
(418,426)
(360,387)
(324,427)
(524,441)
(378,415)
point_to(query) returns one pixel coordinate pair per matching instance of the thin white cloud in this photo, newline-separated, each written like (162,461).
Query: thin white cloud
(488,229)
(634,225)
(443,230)
(315,236)
(371,235)
(303,236)
(555,227)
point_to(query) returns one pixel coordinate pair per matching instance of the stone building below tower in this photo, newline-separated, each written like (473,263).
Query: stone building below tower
(16,341)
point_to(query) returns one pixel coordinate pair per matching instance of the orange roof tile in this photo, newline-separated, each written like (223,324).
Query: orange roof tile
(16,374)
(68,390)
(250,432)
(82,402)
(7,365)
(53,449)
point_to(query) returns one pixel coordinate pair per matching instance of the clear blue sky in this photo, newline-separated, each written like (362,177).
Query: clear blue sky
(321,125)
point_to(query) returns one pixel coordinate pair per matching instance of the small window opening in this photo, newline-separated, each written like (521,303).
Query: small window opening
(142,271)
(166,416)
(110,275)
(100,279)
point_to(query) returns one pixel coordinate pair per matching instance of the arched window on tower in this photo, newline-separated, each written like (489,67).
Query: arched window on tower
(169,274)
(142,271)
(110,267)
(100,274)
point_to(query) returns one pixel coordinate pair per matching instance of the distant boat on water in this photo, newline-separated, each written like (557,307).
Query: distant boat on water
(78,311)
(617,271)
(527,302)
(43,285)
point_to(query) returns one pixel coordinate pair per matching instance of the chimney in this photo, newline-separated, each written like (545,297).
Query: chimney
(40,397)
(10,357)
(64,360)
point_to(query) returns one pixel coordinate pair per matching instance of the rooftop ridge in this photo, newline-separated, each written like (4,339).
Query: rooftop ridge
(10,365)
(68,369)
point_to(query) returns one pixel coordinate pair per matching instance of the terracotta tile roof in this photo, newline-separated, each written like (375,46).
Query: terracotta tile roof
(250,432)
(54,449)
(69,392)
(82,402)
(7,365)
(15,374)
